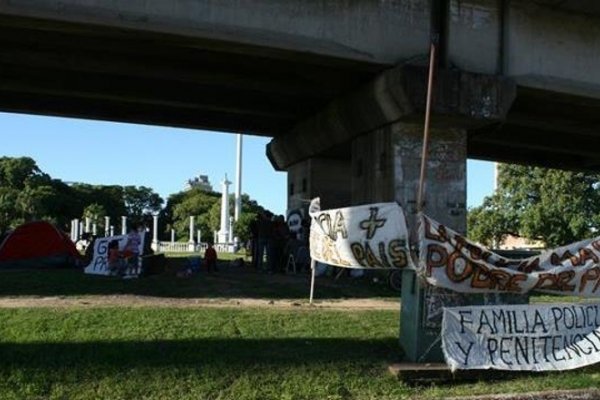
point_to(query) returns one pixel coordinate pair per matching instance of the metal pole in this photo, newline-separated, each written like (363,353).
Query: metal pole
(423,176)
(312,280)
(238,184)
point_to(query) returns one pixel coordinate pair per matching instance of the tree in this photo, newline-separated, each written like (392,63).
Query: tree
(28,193)
(141,202)
(33,201)
(95,212)
(8,210)
(195,202)
(206,207)
(16,172)
(555,206)
(108,196)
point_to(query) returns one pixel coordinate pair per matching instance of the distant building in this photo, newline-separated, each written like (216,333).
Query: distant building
(511,242)
(200,181)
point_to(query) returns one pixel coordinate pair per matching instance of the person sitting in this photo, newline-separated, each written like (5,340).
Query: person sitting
(210,258)
(88,256)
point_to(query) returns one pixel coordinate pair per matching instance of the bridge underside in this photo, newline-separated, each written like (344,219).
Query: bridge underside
(90,71)
(543,128)
(98,72)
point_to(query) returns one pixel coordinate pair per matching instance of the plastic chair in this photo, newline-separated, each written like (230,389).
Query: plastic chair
(299,260)
(291,262)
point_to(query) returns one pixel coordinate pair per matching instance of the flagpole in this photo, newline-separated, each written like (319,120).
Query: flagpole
(312,280)
(423,176)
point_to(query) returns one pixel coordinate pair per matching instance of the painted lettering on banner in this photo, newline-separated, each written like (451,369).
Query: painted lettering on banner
(449,260)
(526,338)
(370,236)
(99,264)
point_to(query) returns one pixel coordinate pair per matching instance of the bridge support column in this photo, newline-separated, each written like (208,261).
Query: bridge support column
(386,167)
(327,178)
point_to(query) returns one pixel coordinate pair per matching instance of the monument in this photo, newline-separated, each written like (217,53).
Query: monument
(223,234)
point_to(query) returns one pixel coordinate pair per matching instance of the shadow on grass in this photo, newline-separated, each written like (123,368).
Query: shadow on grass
(233,353)
(228,283)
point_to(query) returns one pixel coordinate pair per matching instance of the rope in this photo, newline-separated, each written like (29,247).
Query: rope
(423,176)
(435,342)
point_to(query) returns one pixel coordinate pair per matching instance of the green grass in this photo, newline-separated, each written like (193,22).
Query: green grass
(228,283)
(202,353)
(215,353)
(171,353)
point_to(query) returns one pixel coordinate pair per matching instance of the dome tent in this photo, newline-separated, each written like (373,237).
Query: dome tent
(37,244)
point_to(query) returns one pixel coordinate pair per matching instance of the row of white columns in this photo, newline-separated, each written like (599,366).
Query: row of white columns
(191,243)
(78,228)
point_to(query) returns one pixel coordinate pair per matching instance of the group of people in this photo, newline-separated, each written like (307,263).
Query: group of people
(271,236)
(127,258)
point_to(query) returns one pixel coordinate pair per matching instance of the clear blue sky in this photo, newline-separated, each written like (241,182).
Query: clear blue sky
(98,152)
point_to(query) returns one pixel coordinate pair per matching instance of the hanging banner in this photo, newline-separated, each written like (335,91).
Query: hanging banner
(370,236)
(450,261)
(522,337)
(100,261)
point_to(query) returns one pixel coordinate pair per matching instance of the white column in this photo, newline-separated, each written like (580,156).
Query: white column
(155,232)
(230,230)
(495,176)
(94,229)
(199,236)
(73,234)
(112,230)
(215,237)
(238,180)
(191,229)
(224,231)
(123,225)
(191,241)
(87,224)
(106,226)
(78,229)
(172,235)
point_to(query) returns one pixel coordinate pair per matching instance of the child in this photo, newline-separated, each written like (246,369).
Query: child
(116,264)
(210,258)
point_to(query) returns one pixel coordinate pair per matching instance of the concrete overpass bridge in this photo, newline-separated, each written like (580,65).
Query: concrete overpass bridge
(339,84)
(519,79)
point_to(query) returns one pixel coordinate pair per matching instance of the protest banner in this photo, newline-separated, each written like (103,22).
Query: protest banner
(522,337)
(99,263)
(370,236)
(448,260)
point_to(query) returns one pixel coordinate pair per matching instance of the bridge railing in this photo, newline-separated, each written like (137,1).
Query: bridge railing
(180,247)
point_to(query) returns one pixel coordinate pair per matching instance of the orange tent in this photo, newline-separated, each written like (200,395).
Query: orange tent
(37,244)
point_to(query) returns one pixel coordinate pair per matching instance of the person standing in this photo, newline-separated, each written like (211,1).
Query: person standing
(254,240)
(265,236)
(210,258)
(281,234)
(131,251)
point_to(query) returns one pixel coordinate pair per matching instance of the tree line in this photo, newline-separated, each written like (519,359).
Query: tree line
(554,206)
(27,193)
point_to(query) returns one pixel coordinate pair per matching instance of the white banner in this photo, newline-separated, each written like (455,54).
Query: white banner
(369,236)
(524,338)
(450,261)
(99,263)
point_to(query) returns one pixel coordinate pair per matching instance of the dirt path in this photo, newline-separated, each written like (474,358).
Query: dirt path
(148,301)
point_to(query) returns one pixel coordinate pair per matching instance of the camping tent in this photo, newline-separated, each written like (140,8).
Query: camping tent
(37,244)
